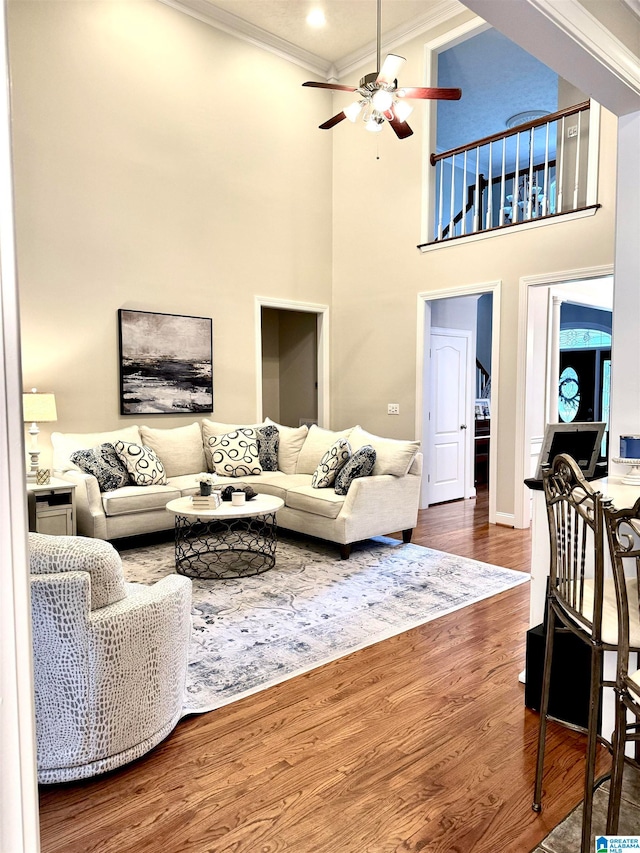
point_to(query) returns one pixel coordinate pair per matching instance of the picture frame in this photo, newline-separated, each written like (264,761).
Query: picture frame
(166,363)
(483,408)
(580,439)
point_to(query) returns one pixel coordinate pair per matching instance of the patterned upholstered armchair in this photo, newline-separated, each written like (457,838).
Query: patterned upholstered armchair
(110,658)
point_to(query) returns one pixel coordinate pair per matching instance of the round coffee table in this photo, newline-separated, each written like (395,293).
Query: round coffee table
(227,542)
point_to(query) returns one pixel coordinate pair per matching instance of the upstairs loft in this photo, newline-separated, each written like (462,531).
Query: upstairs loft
(530,174)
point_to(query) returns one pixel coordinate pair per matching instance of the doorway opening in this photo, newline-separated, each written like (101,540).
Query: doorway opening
(457,392)
(565,325)
(293,369)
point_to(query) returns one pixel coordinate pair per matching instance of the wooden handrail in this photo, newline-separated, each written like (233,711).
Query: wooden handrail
(495,137)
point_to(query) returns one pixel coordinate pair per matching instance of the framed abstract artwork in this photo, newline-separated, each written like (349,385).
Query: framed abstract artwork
(166,363)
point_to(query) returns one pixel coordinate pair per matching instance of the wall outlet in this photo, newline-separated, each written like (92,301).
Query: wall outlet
(572,131)
(393,408)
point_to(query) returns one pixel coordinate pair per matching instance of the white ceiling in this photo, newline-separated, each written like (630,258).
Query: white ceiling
(348,39)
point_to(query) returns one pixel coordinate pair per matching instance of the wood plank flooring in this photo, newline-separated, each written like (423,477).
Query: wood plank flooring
(419,743)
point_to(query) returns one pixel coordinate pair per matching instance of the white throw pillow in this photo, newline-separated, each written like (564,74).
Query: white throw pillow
(211,428)
(141,462)
(180,449)
(236,453)
(330,464)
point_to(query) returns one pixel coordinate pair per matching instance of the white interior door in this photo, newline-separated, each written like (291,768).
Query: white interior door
(448,412)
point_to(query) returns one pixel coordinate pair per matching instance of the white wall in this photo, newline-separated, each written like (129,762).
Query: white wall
(160,165)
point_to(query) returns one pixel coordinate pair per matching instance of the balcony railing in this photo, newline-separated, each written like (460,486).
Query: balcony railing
(533,171)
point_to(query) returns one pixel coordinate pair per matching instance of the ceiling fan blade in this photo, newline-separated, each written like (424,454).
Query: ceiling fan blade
(336,86)
(400,128)
(332,122)
(435,94)
(390,67)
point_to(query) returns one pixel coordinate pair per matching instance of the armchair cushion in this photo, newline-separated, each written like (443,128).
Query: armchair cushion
(99,559)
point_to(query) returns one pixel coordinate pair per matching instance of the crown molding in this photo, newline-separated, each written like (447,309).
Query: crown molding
(634,5)
(209,13)
(576,21)
(206,12)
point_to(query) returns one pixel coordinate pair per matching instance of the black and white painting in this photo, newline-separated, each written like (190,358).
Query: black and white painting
(166,363)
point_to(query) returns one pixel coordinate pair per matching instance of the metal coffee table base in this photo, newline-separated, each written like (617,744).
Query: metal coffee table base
(217,549)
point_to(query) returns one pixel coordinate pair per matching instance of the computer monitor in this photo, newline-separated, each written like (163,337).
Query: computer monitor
(580,440)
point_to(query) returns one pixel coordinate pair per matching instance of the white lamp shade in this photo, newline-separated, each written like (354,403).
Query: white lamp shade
(39,408)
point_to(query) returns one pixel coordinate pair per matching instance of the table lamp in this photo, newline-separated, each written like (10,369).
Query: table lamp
(37,408)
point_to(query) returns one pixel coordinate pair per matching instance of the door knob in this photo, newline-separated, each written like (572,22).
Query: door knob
(463,426)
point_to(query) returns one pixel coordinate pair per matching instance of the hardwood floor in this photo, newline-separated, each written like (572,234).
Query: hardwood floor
(419,743)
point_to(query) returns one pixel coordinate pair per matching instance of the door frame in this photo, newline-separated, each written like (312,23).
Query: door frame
(423,335)
(468,487)
(322,327)
(522,495)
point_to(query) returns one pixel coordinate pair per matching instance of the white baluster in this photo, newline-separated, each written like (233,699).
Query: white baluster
(489,222)
(531,187)
(560,169)
(463,229)
(502,190)
(515,210)
(477,204)
(545,180)
(440,200)
(452,196)
(576,184)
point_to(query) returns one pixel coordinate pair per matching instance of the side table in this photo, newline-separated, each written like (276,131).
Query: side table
(52,508)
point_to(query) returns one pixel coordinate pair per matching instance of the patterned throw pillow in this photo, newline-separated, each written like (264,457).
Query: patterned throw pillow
(268,443)
(331,463)
(360,465)
(236,453)
(104,464)
(144,467)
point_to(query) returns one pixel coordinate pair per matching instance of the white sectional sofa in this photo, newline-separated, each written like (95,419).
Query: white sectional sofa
(384,502)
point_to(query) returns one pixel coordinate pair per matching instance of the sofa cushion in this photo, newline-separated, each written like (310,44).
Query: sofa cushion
(65,443)
(104,464)
(132,499)
(141,462)
(54,554)
(235,454)
(324,502)
(180,449)
(392,456)
(361,464)
(268,443)
(332,461)
(186,484)
(316,444)
(291,442)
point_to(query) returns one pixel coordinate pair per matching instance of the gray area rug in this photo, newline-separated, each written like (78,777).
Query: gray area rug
(312,608)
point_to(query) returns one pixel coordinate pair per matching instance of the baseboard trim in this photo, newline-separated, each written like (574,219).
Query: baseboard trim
(506,519)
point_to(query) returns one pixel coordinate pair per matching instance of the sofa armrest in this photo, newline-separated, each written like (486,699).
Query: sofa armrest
(90,517)
(381,504)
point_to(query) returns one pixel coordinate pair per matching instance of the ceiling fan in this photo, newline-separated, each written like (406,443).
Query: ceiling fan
(379,97)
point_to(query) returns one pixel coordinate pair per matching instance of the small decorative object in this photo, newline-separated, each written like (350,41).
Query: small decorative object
(228,491)
(238,498)
(206,482)
(43,476)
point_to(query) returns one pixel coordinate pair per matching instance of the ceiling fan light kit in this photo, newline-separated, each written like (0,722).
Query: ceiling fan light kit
(379,96)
